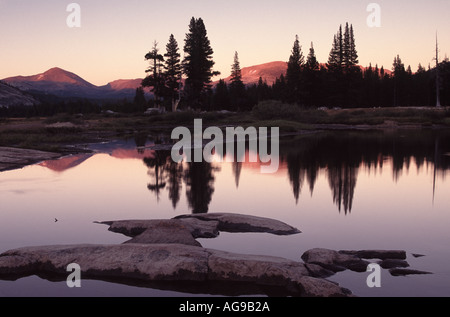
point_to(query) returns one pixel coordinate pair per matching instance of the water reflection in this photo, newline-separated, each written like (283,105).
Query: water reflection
(339,155)
(342,155)
(198,177)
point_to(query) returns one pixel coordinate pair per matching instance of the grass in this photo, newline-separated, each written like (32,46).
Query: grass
(34,133)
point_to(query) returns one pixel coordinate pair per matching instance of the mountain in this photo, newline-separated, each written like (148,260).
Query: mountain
(122,84)
(55,75)
(269,72)
(62,83)
(11,96)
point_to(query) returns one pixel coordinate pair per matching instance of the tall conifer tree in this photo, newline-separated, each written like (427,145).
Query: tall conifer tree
(173,71)
(237,87)
(294,70)
(198,64)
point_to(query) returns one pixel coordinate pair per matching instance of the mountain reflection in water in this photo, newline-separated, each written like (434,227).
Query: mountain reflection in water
(340,156)
(303,158)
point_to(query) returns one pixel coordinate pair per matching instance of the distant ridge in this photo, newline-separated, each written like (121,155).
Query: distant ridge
(269,72)
(62,83)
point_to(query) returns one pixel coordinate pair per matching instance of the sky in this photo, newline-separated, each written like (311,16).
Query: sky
(115,35)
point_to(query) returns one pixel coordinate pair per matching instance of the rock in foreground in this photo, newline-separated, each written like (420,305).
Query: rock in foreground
(185,229)
(325,263)
(138,264)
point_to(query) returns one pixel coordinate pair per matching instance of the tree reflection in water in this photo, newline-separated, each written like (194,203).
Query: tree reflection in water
(340,156)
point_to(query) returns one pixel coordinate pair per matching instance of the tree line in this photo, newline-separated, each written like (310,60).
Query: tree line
(340,82)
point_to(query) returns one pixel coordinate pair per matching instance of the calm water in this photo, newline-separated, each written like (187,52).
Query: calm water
(343,190)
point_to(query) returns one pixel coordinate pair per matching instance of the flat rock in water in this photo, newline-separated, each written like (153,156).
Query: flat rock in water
(404,272)
(319,271)
(378,254)
(136,264)
(317,287)
(165,235)
(335,261)
(135,228)
(236,223)
(393,263)
(132,261)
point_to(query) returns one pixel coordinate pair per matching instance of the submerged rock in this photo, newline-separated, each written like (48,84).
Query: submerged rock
(393,263)
(324,263)
(378,254)
(404,272)
(335,261)
(316,287)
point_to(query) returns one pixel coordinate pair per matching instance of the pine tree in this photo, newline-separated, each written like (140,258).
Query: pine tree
(198,64)
(353,54)
(399,78)
(173,72)
(237,87)
(341,46)
(346,59)
(294,72)
(156,79)
(311,76)
(311,61)
(221,98)
(350,56)
(139,99)
(335,59)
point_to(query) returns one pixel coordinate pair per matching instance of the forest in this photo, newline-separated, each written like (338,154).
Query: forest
(176,83)
(340,82)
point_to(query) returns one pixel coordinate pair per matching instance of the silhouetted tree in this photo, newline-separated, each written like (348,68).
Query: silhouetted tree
(156,165)
(294,72)
(156,79)
(311,78)
(174,180)
(399,80)
(237,87)
(350,55)
(199,179)
(139,99)
(342,180)
(221,98)
(336,56)
(198,64)
(296,174)
(173,72)
(263,91)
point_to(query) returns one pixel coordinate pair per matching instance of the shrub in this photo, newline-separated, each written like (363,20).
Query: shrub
(272,109)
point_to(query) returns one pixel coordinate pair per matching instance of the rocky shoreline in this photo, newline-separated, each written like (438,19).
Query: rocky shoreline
(14,158)
(165,254)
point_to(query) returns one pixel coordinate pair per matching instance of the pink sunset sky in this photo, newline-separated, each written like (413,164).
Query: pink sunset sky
(115,35)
